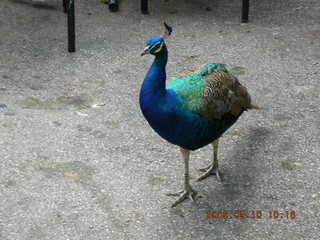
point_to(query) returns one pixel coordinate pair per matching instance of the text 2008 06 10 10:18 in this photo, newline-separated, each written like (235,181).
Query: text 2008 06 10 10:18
(253,214)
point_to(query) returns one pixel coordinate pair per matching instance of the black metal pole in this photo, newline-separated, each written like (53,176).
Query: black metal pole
(113,5)
(144,6)
(64,4)
(245,11)
(71,28)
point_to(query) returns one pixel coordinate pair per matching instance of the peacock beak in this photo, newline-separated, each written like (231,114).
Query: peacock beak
(146,51)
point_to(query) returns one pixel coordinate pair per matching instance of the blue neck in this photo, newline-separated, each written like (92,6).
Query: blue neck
(155,80)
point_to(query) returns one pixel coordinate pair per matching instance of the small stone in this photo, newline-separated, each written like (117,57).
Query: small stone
(72,175)
(99,134)
(95,105)
(154,180)
(84,128)
(290,165)
(82,114)
(56,123)
(35,86)
(208,9)
(292,204)
(235,133)
(3,106)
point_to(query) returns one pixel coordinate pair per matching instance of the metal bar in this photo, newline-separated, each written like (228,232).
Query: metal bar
(245,11)
(113,5)
(144,7)
(64,4)
(71,28)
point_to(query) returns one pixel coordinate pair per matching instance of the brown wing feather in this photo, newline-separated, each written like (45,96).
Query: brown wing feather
(224,94)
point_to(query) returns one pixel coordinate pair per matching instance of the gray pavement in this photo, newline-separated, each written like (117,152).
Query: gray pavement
(73,170)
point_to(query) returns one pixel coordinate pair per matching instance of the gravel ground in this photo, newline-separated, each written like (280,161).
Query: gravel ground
(78,161)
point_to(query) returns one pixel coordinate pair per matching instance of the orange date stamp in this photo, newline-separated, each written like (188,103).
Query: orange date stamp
(250,214)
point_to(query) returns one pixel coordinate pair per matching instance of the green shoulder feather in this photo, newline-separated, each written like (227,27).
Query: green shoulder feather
(191,87)
(212,92)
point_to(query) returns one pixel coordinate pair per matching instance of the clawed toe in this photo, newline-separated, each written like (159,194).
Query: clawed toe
(175,194)
(204,169)
(210,171)
(183,195)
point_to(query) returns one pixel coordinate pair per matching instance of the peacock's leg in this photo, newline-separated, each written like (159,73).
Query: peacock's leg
(212,169)
(187,191)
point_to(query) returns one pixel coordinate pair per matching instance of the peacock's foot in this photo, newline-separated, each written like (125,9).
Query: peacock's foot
(183,195)
(210,170)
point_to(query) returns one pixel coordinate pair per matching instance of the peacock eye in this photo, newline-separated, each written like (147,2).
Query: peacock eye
(157,45)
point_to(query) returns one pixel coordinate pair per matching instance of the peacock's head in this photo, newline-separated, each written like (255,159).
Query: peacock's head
(156,45)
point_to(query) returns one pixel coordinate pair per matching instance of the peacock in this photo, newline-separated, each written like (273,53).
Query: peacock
(191,111)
